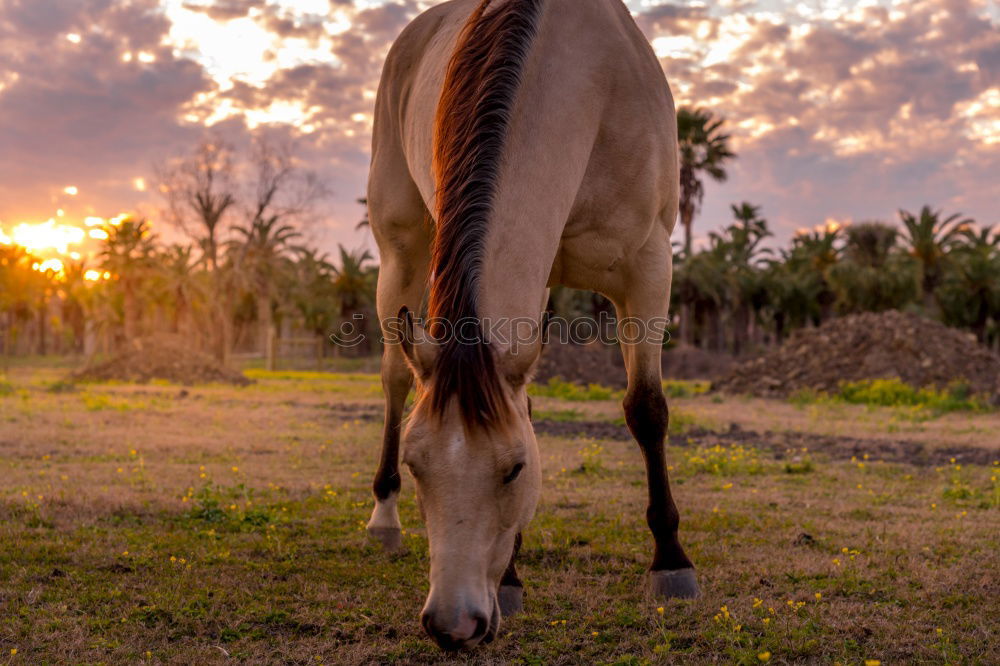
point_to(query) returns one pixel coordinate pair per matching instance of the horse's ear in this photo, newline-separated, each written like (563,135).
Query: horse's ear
(420,351)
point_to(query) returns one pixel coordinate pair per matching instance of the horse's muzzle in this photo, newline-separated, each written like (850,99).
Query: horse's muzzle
(466,631)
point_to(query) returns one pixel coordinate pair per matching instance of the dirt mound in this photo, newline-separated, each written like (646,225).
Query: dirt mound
(598,363)
(919,351)
(687,362)
(160,357)
(593,363)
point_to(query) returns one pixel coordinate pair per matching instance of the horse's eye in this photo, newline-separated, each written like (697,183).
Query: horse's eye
(512,474)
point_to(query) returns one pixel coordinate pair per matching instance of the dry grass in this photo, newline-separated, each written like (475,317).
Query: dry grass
(217,525)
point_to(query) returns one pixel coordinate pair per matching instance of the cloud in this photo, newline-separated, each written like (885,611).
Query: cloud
(849,114)
(75,111)
(849,111)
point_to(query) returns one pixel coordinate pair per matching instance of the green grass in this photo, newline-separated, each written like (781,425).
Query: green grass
(678,388)
(910,402)
(228,526)
(563,390)
(562,415)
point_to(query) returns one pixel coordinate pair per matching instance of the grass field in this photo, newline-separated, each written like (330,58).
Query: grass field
(202,525)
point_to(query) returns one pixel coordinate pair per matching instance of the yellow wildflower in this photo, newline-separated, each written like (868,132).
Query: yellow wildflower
(818,596)
(660,610)
(764,656)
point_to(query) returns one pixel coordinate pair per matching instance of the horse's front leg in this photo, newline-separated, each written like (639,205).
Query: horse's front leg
(643,317)
(400,283)
(396,380)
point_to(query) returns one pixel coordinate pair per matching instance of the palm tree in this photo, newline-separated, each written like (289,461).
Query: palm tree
(700,286)
(969,293)
(315,295)
(744,269)
(929,238)
(127,254)
(180,283)
(354,283)
(703,149)
(259,253)
(17,291)
(811,259)
(74,289)
(873,275)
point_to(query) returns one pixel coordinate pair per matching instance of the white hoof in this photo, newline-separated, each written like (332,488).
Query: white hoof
(384,524)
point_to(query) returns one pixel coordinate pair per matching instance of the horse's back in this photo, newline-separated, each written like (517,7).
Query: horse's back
(408,93)
(593,107)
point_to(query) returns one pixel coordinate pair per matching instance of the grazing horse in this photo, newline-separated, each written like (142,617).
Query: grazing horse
(518,144)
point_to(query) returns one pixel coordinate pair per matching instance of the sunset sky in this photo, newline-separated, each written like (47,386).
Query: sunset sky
(840,109)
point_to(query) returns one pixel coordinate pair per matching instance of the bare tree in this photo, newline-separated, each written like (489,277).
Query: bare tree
(253,205)
(200,190)
(279,205)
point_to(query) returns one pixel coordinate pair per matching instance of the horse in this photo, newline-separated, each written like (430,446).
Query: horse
(517,145)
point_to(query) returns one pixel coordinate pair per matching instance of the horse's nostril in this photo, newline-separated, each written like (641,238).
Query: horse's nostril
(482,625)
(469,631)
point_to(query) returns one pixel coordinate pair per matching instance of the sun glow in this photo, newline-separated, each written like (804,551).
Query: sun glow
(53,243)
(55,265)
(46,236)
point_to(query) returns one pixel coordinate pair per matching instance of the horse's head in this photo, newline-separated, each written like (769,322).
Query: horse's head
(477,488)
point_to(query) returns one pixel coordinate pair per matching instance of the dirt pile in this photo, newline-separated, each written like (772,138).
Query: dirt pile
(594,363)
(160,357)
(919,351)
(597,363)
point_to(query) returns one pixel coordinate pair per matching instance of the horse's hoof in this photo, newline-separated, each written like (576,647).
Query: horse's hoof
(678,584)
(391,538)
(511,598)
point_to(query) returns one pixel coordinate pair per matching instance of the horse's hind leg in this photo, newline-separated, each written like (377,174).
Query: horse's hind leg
(405,254)
(642,312)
